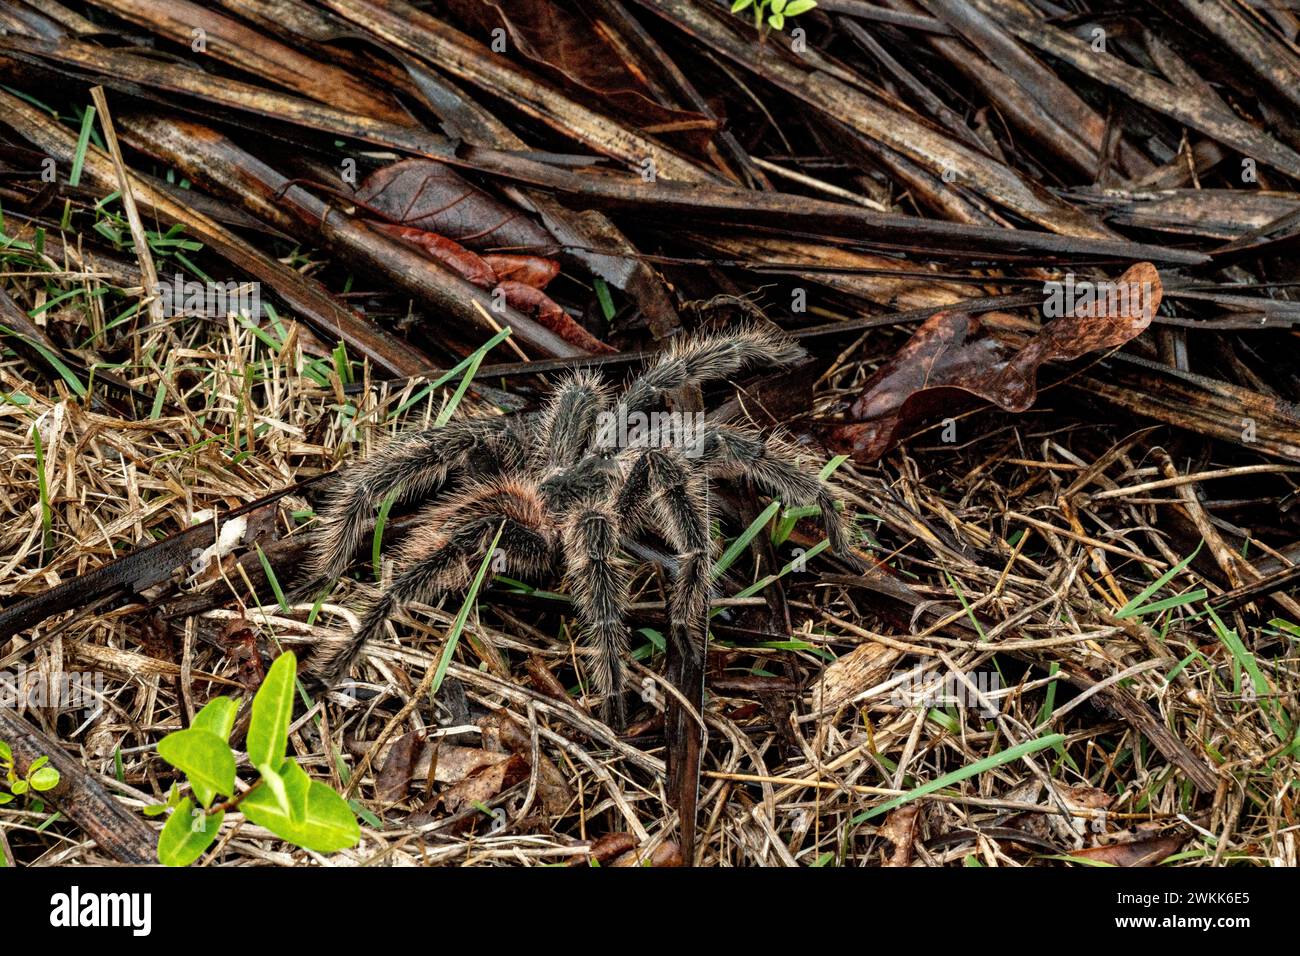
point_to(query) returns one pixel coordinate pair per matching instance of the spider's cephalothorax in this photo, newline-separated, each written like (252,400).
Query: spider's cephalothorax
(565,488)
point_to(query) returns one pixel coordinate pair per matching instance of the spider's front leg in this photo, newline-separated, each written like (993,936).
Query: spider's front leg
(708,358)
(772,465)
(410,466)
(441,558)
(570,419)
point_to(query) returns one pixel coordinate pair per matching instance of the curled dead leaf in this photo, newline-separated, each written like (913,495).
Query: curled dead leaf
(954,357)
(1144,851)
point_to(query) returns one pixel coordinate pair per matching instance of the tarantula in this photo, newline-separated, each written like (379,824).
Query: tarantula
(563,489)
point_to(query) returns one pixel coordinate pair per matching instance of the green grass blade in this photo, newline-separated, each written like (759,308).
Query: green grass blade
(458,625)
(965,773)
(385,507)
(83,142)
(66,373)
(768,579)
(270,576)
(1134,607)
(740,544)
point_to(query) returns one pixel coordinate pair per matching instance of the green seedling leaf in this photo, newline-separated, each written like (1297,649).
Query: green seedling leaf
(217,716)
(187,833)
(203,757)
(327,825)
(297,787)
(275,784)
(45,778)
(268,731)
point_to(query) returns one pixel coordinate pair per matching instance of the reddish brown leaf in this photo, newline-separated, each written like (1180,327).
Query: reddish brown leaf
(953,356)
(605,848)
(667,854)
(538,305)
(527,298)
(433,197)
(451,254)
(530,270)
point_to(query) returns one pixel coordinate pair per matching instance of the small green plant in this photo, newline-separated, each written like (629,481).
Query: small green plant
(40,777)
(283,799)
(774,12)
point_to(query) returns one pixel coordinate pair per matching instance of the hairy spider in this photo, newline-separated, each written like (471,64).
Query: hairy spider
(565,487)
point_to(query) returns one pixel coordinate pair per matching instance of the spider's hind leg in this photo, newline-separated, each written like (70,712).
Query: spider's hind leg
(411,466)
(441,558)
(599,580)
(678,498)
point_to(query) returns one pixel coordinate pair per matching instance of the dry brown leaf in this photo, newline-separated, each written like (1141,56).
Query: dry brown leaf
(486,783)
(900,830)
(1145,851)
(393,780)
(431,196)
(953,357)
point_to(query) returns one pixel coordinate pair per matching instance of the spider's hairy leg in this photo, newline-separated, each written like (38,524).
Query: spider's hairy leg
(773,465)
(705,358)
(680,501)
(570,419)
(678,498)
(411,466)
(441,556)
(599,580)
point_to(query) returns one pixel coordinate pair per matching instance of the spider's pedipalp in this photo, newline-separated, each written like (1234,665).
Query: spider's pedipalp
(772,465)
(706,358)
(570,419)
(599,580)
(411,466)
